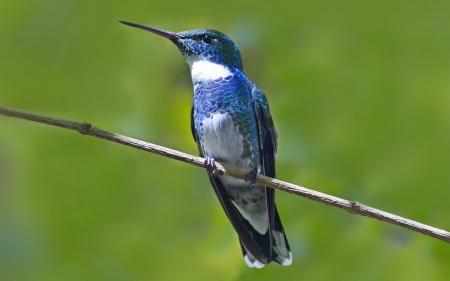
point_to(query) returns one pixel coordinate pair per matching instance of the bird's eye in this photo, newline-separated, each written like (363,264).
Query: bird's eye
(208,39)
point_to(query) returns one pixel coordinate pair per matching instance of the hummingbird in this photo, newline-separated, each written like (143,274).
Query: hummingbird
(231,123)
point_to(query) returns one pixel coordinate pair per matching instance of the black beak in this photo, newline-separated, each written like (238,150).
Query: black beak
(160,32)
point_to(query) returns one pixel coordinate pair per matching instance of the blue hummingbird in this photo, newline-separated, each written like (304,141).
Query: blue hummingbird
(231,123)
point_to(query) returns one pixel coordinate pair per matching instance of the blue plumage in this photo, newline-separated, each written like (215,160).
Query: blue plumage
(231,123)
(231,95)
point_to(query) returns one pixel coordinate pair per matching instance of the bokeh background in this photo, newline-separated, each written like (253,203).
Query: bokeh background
(360,94)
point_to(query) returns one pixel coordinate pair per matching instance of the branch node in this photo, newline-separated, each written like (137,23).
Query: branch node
(85,128)
(355,206)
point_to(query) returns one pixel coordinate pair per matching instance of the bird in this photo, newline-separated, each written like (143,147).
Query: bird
(231,123)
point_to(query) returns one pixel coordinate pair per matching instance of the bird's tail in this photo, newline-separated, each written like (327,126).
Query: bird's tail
(280,251)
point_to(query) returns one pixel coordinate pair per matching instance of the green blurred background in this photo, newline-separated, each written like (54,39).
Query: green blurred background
(359,91)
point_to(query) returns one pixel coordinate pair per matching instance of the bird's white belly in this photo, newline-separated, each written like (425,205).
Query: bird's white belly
(222,141)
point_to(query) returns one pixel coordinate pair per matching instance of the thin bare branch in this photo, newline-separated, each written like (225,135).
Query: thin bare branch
(222,169)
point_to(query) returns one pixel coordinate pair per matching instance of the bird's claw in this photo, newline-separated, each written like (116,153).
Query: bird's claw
(252,175)
(209,164)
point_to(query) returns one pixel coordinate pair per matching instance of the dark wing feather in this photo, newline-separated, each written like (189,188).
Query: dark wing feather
(268,147)
(267,133)
(238,222)
(194,134)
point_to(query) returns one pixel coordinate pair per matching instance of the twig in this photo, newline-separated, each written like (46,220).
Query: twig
(222,169)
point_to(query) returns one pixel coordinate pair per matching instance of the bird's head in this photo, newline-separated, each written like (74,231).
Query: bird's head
(201,45)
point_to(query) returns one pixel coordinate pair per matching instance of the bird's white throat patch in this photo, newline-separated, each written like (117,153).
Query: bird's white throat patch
(203,70)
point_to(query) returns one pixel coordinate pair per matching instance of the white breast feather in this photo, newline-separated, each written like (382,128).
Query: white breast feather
(204,70)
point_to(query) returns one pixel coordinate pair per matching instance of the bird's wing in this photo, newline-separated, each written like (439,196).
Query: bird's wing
(268,147)
(267,133)
(194,134)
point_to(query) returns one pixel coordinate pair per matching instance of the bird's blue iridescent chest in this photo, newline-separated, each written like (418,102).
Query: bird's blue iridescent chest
(224,120)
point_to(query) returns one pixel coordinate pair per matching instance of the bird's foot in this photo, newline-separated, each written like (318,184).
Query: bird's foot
(209,164)
(252,175)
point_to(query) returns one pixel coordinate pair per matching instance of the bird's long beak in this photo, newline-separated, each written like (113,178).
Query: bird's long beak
(160,32)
